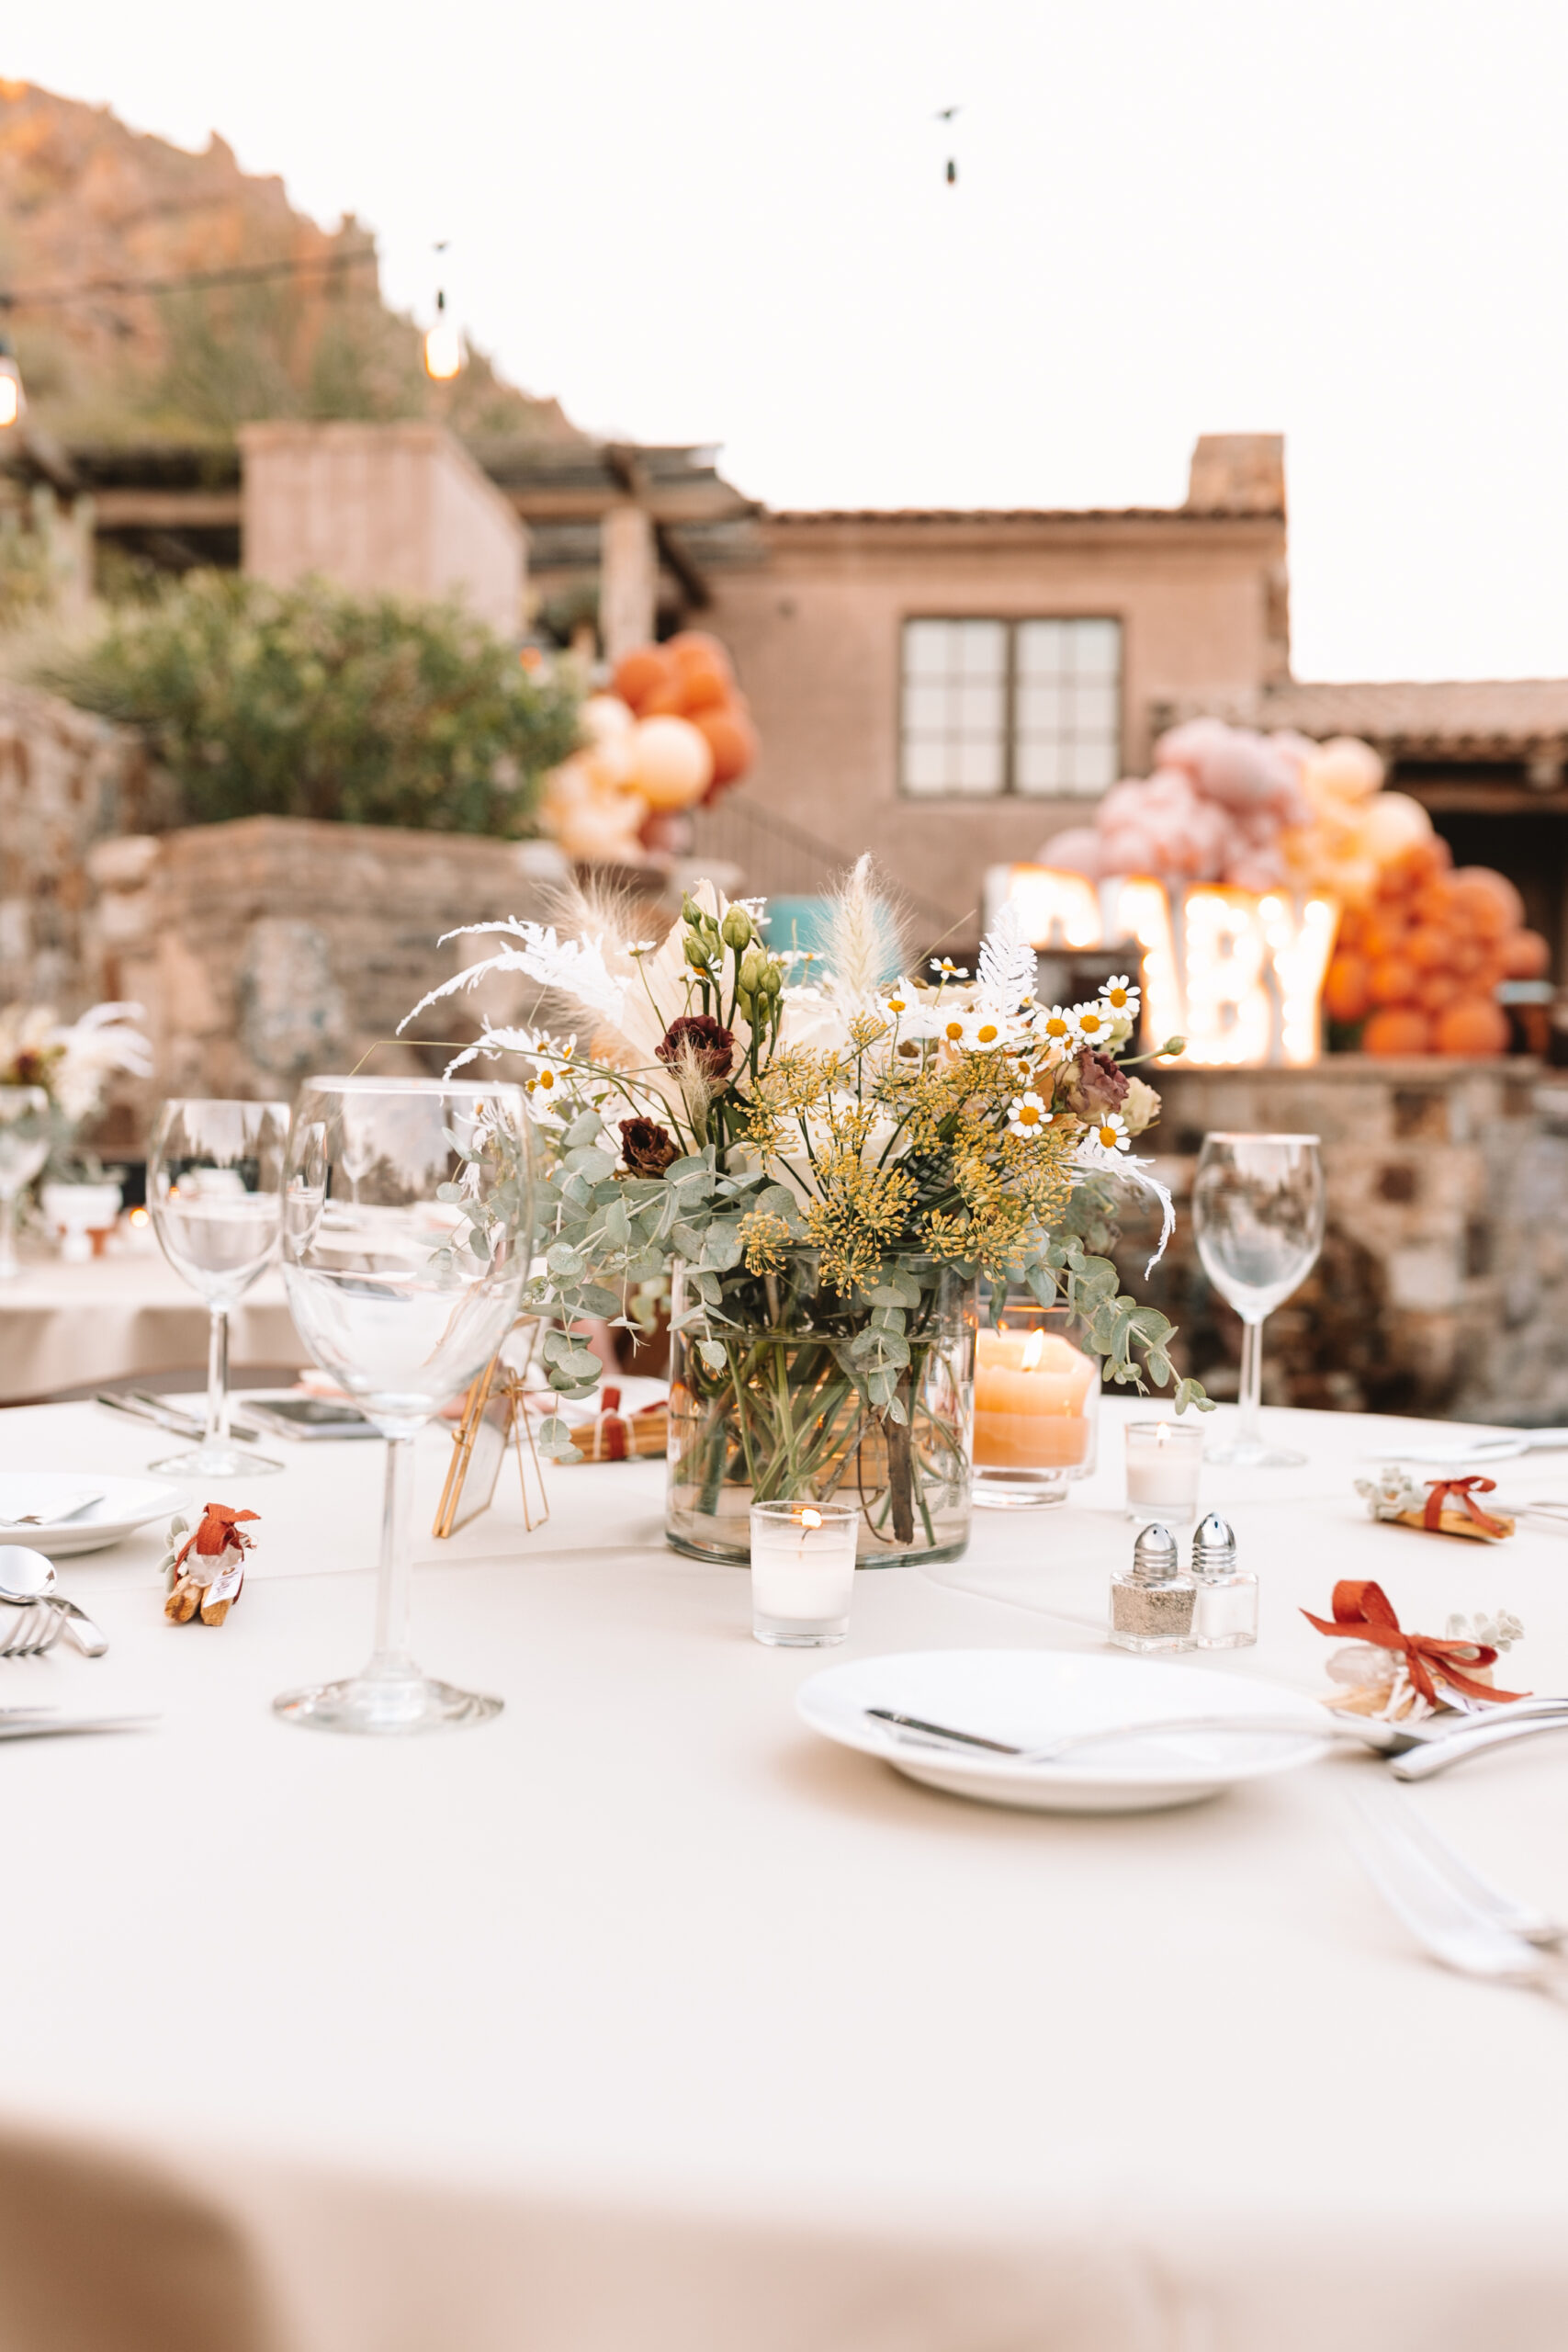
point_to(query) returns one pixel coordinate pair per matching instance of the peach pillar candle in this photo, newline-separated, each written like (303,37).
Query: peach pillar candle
(1030,1400)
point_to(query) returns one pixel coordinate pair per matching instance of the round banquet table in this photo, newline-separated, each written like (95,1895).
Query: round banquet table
(641,2020)
(68,1326)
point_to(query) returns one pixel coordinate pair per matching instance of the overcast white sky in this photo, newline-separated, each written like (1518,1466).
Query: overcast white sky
(722,220)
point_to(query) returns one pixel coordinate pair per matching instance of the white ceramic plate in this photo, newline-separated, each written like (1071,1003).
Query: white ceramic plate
(1447,1455)
(1028,1697)
(124,1505)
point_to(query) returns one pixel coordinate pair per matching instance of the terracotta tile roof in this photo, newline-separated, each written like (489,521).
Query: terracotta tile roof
(1443,715)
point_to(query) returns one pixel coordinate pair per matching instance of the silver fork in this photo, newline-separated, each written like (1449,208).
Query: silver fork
(28,1631)
(1429,1902)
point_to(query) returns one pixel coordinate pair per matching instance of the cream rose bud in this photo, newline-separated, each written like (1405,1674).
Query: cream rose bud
(1141,1106)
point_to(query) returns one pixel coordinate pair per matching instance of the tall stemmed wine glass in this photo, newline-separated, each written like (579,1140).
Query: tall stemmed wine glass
(406,1238)
(215,1188)
(1257,1211)
(24,1147)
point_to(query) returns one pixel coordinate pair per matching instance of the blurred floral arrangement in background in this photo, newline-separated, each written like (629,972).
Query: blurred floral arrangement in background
(72,1062)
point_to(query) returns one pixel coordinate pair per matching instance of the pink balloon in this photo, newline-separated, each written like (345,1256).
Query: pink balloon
(1080,851)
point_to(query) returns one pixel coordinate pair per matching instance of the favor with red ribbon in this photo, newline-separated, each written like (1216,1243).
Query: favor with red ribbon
(1363,1612)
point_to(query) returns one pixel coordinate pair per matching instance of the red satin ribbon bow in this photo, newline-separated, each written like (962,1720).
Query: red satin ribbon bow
(1438,1488)
(1363,1611)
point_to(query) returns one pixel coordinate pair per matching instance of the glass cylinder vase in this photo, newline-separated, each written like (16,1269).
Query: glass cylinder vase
(773,1397)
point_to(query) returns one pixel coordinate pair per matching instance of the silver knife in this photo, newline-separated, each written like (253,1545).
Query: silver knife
(143,1407)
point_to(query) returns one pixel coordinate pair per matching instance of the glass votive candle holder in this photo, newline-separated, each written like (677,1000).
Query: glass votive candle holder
(1036,1408)
(1164,1459)
(803,1573)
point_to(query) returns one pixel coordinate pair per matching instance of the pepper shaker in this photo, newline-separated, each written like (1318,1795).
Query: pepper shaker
(1152,1601)
(1224,1615)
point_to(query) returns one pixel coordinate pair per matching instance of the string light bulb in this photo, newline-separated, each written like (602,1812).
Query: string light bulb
(443,346)
(13,399)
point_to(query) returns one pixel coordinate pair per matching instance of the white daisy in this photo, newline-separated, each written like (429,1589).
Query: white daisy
(1027,1115)
(985,1029)
(1107,1137)
(945,969)
(1095,1022)
(1058,1027)
(1121,995)
(949,1026)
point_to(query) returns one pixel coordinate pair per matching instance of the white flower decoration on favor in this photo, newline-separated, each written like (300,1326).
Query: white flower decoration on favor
(1027,1116)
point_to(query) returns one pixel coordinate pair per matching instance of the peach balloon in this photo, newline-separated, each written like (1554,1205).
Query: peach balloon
(1526,956)
(1397,1031)
(673,764)
(1394,822)
(605,716)
(1472,1026)
(1481,885)
(1344,994)
(1342,769)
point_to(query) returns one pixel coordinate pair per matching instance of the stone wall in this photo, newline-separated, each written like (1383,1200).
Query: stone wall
(66,781)
(1443,1284)
(272,945)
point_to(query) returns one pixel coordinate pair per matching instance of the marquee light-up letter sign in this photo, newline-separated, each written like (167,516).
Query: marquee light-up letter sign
(1237,973)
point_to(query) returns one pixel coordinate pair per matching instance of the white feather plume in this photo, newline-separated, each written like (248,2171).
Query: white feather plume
(1006,974)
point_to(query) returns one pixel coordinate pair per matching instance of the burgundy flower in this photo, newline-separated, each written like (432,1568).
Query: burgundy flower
(646,1148)
(711,1043)
(1093,1084)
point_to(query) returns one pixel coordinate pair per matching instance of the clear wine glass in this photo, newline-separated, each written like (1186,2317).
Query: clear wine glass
(24,1147)
(215,1189)
(406,1238)
(1257,1212)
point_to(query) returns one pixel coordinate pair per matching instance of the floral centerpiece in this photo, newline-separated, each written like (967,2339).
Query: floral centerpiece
(824,1164)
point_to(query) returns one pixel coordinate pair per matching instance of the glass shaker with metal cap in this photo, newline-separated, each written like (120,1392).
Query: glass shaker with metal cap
(1225,1614)
(1152,1601)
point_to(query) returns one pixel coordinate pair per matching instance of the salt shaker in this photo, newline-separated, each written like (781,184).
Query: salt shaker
(1224,1615)
(1152,1601)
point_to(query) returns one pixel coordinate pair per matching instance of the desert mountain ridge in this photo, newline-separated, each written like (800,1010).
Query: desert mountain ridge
(84,198)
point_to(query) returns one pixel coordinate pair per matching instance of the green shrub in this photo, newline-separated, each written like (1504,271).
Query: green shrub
(308,702)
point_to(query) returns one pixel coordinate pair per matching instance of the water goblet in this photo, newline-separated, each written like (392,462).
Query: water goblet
(24,1147)
(215,1189)
(406,1237)
(1258,1212)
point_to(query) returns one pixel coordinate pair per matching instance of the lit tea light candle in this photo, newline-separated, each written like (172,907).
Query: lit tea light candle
(803,1573)
(1163,1462)
(1031,1401)
(1036,1396)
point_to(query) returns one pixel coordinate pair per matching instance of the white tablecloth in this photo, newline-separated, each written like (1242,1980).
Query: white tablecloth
(641,2021)
(64,1326)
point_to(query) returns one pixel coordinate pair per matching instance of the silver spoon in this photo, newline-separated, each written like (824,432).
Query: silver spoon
(28,1576)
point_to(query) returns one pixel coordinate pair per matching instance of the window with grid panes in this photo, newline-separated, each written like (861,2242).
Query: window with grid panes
(1028,707)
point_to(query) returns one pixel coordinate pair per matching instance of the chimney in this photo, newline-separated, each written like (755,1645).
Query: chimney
(1238,473)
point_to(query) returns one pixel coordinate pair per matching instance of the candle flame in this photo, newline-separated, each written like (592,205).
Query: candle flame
(1033,1349)
(811,1519)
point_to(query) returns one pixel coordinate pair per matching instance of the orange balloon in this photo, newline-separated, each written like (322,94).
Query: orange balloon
(732,739)
(1383,935)
(1428,947)
(1526,956)
(1438,988)
(1482,883)
(1397,1031)
(640,675)
(704,684)
(1394,979)
(697,645)
(1468,957)
(1352,925)
(1473,1026)
(1344,994)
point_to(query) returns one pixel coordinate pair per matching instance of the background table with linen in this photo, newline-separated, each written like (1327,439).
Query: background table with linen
(68,1326)
(641,2018)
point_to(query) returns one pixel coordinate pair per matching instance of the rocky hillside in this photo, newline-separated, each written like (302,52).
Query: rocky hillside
(85,199)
